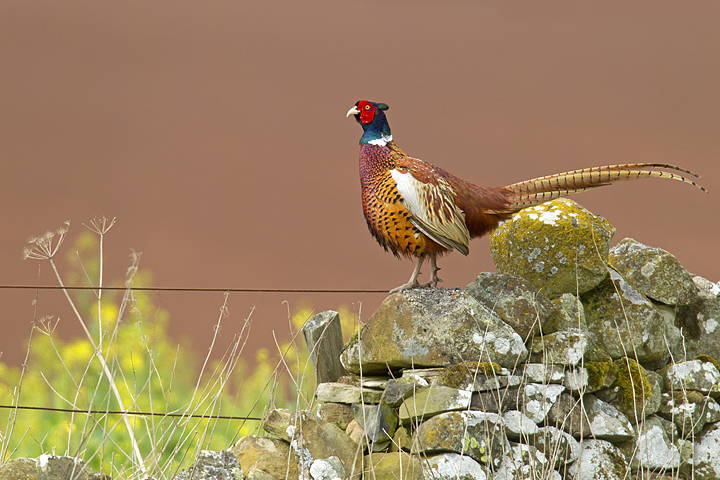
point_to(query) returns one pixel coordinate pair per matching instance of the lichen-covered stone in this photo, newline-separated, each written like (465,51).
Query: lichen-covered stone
(515,300)
(398,389)
(689,410)
(625,322)
(636,392)
(338,413)
(539,399)
(654,447)
(706,459)
(567,347)
(211,465)
(432,400)
(654,272)
(692,375)
(558,446)
(599,459)
(526,462)
(544,373)
(559,247)
(518,426)
(393,465)
(591,418)
(570,314)
(478,435)
(19,469)
(700,322)
(576,379)
(270,455)
(432,327)
(451,466)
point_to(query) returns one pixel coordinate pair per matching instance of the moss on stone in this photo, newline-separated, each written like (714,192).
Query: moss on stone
(633,386)
(458,375)
(599,372)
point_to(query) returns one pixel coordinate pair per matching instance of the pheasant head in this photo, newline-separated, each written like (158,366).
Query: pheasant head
(371,116)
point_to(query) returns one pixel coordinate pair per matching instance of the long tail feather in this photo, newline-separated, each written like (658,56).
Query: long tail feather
(541,189)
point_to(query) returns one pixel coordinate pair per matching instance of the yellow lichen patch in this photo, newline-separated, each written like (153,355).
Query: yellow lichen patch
(707,359)
(458,375)
(600,374)
(633,386)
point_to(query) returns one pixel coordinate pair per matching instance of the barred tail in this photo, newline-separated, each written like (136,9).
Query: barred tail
(541,189)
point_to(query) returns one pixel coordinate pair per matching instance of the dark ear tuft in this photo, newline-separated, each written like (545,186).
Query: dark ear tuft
(382,106)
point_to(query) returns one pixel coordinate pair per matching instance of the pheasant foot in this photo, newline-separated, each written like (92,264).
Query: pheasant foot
(413,282)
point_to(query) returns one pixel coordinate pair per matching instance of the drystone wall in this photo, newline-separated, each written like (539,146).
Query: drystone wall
(574,361)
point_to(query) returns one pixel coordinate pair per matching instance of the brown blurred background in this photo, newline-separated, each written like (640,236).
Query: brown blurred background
(216,133)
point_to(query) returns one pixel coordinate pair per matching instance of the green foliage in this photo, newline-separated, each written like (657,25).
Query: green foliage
(150,373)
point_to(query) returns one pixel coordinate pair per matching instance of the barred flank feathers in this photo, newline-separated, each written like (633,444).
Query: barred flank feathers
(541,189)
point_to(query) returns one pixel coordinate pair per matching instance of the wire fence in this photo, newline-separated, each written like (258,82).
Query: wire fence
(117,412)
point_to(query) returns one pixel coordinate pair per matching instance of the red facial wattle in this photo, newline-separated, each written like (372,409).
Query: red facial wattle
(367,111)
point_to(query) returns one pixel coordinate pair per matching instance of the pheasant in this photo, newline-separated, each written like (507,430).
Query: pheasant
(413,208)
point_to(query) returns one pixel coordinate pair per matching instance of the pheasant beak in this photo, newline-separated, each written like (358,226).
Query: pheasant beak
(353,111)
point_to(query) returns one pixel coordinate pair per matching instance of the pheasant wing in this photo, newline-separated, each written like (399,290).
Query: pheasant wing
(430,198)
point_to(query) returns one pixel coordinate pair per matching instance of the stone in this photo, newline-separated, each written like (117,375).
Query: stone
(478,435)
(514,300)
(626,323)
(402,440)
(431,327)
(544,373)
(570,314)
(399,389)
(526,462)
(559,447)
(599,459)
(700,323)
(566,347)
(636,392)
(378,421)
(692,375)
(327,469)
(451,466)
(395,465)
(335,392)
(654,448)
(558,246)
(257,474)
(432,400)
(652,271)
(313,438)
(56,467)
(518,426)
(270,455)
(706,459)
(576,379)
(499,400)
(689,411)
(539,399)
(598,420)
(338,413)
(19,469)
(211,465)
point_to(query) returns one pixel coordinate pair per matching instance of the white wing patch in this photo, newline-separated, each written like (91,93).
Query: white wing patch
(433,211)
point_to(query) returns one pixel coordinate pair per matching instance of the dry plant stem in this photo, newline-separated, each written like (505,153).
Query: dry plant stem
(16,395)
(98,354)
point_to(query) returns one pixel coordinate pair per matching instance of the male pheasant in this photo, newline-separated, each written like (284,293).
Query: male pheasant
(416,209)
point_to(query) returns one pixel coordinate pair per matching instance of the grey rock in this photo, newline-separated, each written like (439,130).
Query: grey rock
(270,455)
(653,271)
(689,410)
(432,327)
(432,400)
(599,459)
(544,373)
(396,465)
(342,393)
(338,413)
(625,322)
(700,323)
(653,449)
(327,469)
(526,462)
(515,300)
(558,446)
(378,421)
(570,314)
(55,467)
(478,435)
(692,375)
(399,389)
(706,459)
(211,465)
(498,400)
(518,426)
(597,419)
(566,347)
(451,466)
(559,247)
(576,379)
(539,399)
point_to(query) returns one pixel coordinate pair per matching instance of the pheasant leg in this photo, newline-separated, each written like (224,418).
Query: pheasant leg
(433,273)
(413,282)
